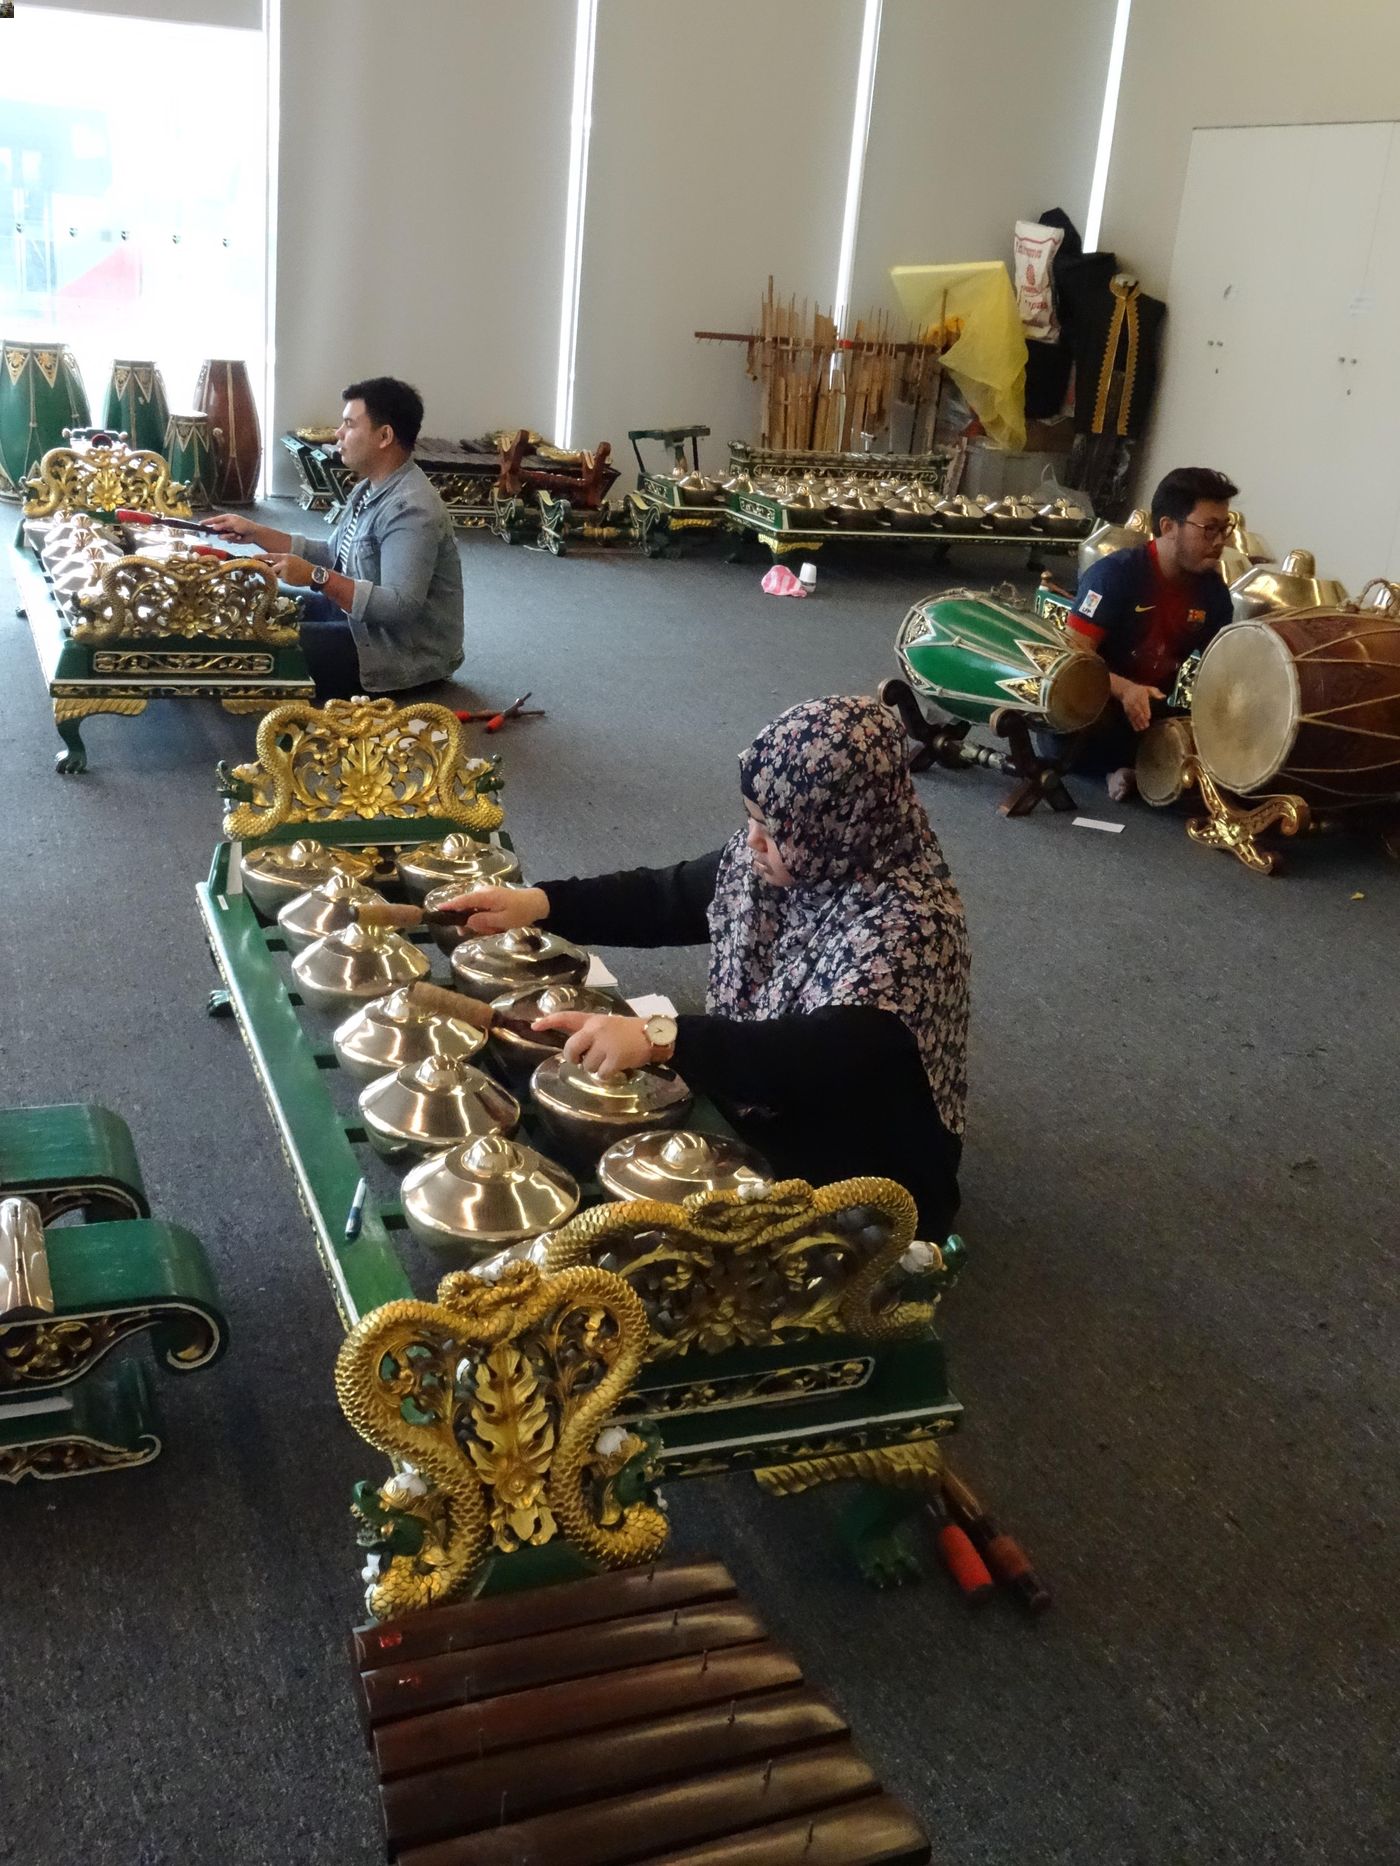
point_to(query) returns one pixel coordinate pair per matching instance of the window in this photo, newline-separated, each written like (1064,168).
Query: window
(133,179)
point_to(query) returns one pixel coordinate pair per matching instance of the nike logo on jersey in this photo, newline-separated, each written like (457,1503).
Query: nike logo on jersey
(1144,609)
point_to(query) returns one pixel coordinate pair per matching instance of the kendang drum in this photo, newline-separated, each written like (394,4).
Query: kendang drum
(1306,703)
(225,394)
(136,405)
(977,656)
(41,394)
(188,447)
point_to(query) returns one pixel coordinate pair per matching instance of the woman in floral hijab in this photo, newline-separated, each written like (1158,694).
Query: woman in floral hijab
(835,1034)
(871,915)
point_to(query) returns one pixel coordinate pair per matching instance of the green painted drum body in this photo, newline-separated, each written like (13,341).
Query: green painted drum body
(188,446)
(41,394)
(137,406)
(977,656)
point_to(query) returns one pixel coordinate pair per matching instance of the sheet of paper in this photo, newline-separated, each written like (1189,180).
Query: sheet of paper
(1093,822)
(598,973)
(653,1004)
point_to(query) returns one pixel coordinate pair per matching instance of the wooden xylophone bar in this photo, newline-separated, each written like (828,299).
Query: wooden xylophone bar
(583,1723)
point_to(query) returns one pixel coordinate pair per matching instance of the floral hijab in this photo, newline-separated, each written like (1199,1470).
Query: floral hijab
(872,917)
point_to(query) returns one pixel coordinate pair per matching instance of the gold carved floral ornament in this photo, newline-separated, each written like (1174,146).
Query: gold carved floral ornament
(724,1271)
(57,1350)
(360,759)
(103,479)
(187,598)
(494,1400)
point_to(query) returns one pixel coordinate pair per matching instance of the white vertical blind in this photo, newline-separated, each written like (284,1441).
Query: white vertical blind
(720,145)
(422,169)
(243,13)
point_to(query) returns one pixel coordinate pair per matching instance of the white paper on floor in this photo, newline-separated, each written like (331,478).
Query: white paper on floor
(653,1004)
(1093,822)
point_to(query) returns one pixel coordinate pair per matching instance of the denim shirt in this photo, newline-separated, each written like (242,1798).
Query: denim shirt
(406,614)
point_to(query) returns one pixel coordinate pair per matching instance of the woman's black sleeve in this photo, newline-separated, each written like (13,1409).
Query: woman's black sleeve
(636,906)
(784,1062)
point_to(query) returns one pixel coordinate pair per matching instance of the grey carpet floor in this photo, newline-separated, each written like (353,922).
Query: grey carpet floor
(1175,1338)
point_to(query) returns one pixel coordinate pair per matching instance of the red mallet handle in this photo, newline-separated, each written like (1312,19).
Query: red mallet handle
(1010,1564)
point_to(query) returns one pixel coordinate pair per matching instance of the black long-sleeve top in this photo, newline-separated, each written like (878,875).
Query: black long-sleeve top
(824,1095)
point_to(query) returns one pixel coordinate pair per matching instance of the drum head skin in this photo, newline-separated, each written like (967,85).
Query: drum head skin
(1075,692)
(1245,708)
(1160,766)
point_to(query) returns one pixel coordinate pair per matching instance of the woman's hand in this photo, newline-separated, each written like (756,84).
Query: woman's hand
(605,1044)
(493,910)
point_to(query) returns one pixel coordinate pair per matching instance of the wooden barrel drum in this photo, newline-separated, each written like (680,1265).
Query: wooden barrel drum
(1306,703)
(225,394)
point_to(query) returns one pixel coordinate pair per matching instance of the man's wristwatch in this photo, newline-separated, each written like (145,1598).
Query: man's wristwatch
(661,1035)
(320,576)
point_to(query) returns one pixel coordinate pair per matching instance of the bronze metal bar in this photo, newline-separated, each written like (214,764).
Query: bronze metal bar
(544,1776)
(875,1831)
(579,1705)
(576,1652)
(623,1826)
(466,1624)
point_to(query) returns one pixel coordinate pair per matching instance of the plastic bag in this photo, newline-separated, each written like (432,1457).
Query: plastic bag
(1035,248)
(1050,489)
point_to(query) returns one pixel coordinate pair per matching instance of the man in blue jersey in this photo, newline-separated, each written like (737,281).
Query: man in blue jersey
(1144,610)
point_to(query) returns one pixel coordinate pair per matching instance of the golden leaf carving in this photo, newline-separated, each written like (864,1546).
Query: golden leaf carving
(511,1447)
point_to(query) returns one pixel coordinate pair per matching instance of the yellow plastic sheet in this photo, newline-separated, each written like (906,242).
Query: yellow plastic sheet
(988,357)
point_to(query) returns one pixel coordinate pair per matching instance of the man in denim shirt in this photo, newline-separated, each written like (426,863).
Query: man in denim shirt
(385,609)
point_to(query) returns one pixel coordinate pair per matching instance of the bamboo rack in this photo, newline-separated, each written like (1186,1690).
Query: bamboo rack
(821,390)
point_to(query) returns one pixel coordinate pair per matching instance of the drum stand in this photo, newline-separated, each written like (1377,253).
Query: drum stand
(945,745)
(1226,826)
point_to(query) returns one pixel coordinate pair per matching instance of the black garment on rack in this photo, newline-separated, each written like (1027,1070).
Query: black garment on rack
(1096,316)
(1048,364)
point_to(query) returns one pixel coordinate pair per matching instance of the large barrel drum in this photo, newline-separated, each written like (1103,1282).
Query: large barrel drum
(136,405)
(977,656)
(225,394)
(41,394)
(1305,703)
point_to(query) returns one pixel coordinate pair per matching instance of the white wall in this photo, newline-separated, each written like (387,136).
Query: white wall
(1291,383)
(721,133)
(982,115)
(420,206)
(1195,63)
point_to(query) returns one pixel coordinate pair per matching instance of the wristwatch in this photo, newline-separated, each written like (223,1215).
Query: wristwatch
(661,1035)
(320,576)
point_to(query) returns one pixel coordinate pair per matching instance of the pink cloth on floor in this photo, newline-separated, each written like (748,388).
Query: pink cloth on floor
(780,581)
